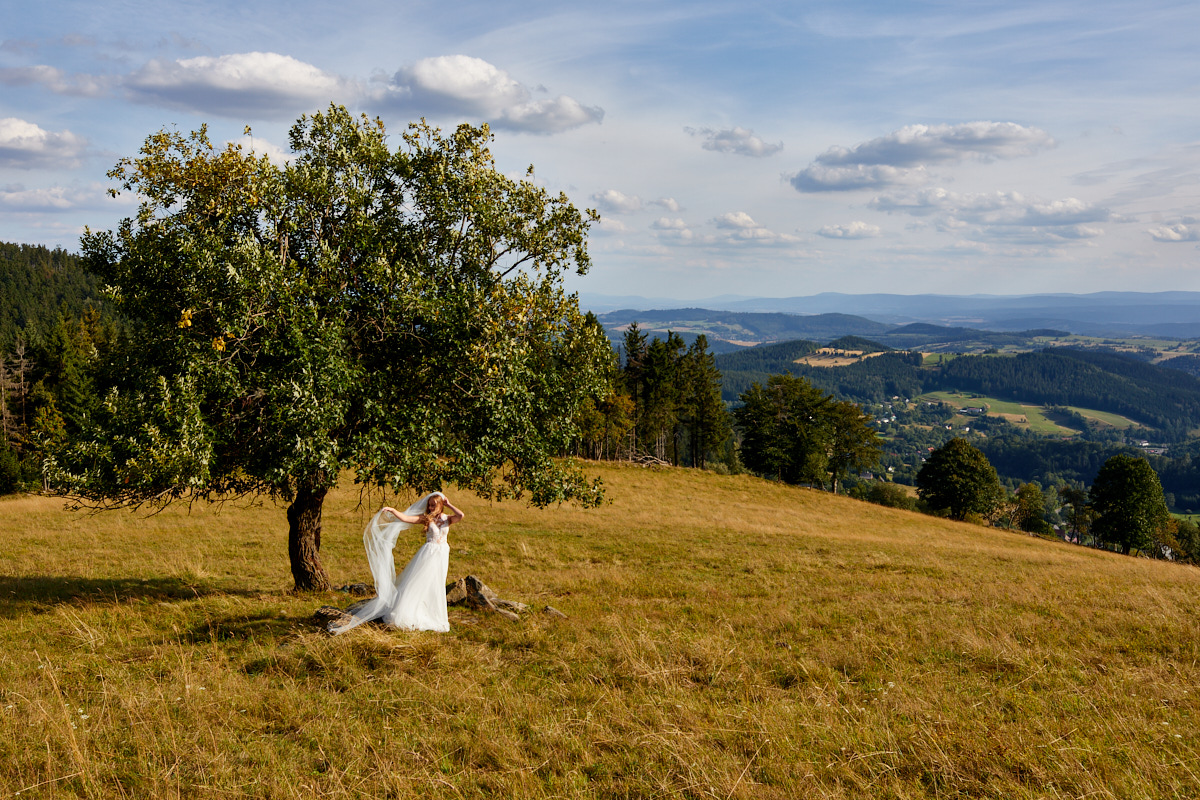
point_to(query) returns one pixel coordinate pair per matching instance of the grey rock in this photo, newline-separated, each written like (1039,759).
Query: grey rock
(329,617)
(474,593)
(512,605)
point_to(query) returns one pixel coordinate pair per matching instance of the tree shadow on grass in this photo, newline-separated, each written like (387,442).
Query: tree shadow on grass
(34,594)
(266,626)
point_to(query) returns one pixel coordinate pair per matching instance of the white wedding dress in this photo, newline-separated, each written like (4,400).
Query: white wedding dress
(420,602)
(417,601)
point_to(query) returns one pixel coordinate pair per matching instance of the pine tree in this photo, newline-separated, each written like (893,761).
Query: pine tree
(662,394)
(705,416)
(633,346)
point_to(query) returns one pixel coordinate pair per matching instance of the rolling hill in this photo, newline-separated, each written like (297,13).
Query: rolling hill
(1161,398)
(724,637)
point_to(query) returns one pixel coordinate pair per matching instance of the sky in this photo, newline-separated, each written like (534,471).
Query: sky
(767,149)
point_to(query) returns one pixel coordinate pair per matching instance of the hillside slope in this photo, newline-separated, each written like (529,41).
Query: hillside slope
(725,637)
(1166,399)
(37,284)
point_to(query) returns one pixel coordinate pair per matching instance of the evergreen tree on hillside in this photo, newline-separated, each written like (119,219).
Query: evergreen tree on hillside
(704,414)
(37,286)
(659,424)
(1029,509)
(633,347)
(1078,512)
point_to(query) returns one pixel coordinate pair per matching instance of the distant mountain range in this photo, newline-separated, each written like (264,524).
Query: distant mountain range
(729,331)
(1169,314)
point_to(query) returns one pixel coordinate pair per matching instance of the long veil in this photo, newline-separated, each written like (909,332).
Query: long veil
(379,538)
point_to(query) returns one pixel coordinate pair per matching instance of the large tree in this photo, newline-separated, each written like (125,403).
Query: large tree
(1127,499)
(662,390)
(958,478)
(785,431)
(394,312)
(703,411)
(853,443)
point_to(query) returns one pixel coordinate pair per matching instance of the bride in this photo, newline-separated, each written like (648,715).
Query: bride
(417,601)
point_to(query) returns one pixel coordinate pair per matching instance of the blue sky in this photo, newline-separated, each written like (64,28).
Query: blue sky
(769,149)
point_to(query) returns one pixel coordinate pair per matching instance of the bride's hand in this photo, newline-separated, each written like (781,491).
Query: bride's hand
(400,517)
(456,514)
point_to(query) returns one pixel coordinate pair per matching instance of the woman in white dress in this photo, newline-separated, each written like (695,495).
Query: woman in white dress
(417,601)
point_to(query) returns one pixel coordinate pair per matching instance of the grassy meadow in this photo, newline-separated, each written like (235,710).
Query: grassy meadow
(1031,416)
(725,637)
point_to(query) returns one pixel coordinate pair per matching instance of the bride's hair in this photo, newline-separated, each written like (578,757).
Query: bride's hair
(431,514)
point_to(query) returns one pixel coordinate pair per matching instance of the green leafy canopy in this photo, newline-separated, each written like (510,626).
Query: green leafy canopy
(958,478)
(395,312)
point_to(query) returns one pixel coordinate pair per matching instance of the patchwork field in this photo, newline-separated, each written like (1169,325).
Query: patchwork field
(725,637)
(830,357)
(1035,417)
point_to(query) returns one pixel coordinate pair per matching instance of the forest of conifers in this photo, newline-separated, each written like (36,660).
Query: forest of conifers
(52,321)
(37,285)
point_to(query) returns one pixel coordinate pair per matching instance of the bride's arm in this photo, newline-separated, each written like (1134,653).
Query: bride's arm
(454,517)
(411,520)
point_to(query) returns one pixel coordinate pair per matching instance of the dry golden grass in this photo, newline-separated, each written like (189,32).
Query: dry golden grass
(727,637)
(831,357)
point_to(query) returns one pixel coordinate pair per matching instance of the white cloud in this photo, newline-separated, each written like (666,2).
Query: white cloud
(269,85)
(671,228)
(1069,211)
(610,225)
(668,224)
(669,203)
(460,84)
(855,230)
(1003,216)
(926,144)
(261,147)
(57,81)
(18,47)
(1185,230)
(548,116)
(902,157)
(820,178)
(739,141)
(739,228)
(739,220)
(15,197)
(995,208)
(617,202)
(256,85)
(1033,235)
(26,146)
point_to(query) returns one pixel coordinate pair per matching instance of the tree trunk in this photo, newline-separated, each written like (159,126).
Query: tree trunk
(304,539)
